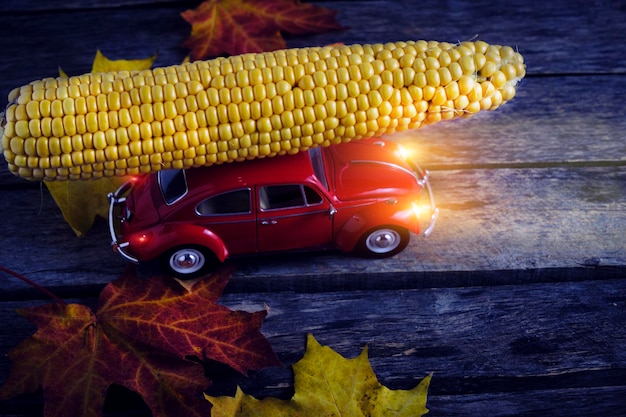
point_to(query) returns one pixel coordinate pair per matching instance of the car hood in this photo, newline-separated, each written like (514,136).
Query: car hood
(370,168)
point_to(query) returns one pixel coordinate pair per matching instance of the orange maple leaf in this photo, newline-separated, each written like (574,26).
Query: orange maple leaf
(240,26)
(141,337)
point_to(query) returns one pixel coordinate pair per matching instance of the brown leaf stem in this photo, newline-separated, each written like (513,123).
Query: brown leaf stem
(32,283)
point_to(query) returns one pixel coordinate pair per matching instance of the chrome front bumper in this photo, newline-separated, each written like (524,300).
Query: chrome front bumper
(434,211)
(116,199)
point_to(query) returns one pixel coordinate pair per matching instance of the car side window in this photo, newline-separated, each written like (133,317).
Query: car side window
(312,197)
(232,202)
(284,196)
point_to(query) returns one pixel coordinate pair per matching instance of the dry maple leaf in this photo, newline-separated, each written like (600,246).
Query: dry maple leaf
(240,26)
(81,201)
(103,64)
(142,337)
(326,384)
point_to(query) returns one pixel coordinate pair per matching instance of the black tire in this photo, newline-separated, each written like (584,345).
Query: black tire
(189,262)
(383,242)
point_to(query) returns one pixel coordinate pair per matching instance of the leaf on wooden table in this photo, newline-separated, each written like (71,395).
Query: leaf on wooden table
(81,201)
(235,27)
(326,384)
(142,336)
(103,64)
(185,322)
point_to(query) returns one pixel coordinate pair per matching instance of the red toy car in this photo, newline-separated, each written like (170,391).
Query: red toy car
(359,197)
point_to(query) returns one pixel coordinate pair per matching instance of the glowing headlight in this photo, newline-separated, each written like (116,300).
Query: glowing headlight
(417,210)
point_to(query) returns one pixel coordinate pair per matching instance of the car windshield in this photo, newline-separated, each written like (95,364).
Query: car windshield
(173,185)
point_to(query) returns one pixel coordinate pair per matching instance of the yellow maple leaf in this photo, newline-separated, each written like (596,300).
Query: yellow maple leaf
(103,64)
(81,201)
(327,384)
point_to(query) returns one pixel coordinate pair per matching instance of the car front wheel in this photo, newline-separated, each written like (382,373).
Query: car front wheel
(382,242)
(188,262)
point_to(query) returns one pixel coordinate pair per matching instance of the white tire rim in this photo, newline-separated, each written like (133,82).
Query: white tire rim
(187,261)
(383,241)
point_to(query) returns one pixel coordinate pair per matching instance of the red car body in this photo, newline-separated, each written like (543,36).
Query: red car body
(359,197)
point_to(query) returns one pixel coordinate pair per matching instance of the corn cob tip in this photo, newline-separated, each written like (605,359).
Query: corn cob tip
(2,123)
(248,106)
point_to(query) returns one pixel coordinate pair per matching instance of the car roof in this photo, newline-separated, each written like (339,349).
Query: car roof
(358,169)
(234,175)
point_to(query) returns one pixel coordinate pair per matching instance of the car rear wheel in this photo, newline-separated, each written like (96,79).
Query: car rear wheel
(189,262)
(382,242)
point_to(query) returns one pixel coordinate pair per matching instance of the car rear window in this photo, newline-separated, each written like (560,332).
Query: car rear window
(232,202)
(173,185)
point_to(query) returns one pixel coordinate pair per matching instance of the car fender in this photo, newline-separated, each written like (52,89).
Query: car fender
(162,238)
(374,216)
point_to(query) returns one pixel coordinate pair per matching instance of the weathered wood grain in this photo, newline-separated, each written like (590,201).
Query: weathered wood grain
(578,402)
(487,346)
(562,38)
(517,300)
(70,40)
(21,6)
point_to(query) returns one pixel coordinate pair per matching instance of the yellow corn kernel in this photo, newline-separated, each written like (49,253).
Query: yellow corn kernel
(466,84)
(440,97)
(498,79)
(432,77)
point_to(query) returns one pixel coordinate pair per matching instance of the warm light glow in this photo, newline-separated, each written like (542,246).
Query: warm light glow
(403,152)
(414,146)
(417,210)
(422,210)
(408,148)
(142,238)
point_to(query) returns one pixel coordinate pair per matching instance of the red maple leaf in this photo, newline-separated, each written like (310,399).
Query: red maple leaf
(142,337)
(240,26)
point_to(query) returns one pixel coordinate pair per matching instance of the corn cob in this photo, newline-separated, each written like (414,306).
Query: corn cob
(248,106)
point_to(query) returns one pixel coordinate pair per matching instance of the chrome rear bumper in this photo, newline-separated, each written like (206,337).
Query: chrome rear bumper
(117,199)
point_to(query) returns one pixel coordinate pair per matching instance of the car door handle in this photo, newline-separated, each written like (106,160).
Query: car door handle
(268,222)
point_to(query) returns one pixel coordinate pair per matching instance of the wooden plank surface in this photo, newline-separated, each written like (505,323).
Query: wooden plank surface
(517,300)
(487,346)
(556,37)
